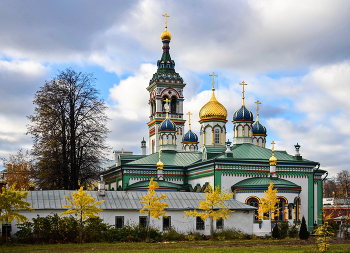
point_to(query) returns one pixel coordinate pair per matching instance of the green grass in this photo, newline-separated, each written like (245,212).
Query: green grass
(255,246)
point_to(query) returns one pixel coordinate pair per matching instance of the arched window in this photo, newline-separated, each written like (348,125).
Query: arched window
(297,209)
(216,136)
(290,211)
(173,104)
(254,202)
(279,214)
(152,146)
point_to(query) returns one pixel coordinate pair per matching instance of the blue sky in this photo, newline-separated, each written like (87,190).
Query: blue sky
(294,55)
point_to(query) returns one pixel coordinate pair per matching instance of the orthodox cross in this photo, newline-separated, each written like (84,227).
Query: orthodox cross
(166,20)
(213,75)
(167,107)
(189,120)
(273,146)
(243,83)
(257,108)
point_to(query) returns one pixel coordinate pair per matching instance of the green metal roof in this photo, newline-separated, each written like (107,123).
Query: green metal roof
(264,182)
(249,151)
(169,158)
(161,184)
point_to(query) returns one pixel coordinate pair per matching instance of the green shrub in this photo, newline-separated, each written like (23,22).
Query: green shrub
(173,235)
(228,234)
(283,227)
(293,231)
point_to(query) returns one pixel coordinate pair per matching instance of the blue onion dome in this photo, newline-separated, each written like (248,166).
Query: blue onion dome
(258,128)
(190,137)
(167,125)
(243,114)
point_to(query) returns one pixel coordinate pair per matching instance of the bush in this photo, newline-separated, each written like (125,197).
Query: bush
(173,235)
(276,232)
(303,233)
(228,234)
(293,231)
(284,227)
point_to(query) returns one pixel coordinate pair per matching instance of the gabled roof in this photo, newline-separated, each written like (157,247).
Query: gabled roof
(122,200)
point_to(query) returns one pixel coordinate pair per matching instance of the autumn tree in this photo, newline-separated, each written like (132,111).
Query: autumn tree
(153,205)
(213,207)
(69,131)
(11,203)
(19,170)
(323,234)
(83,206)
(268,204)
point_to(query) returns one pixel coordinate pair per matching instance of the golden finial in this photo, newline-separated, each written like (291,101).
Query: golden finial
(122,151)
(165,35)
(243,83)
(166,21)
(166,108)
(273,159)
(257,109)
(189,120)
(160,165)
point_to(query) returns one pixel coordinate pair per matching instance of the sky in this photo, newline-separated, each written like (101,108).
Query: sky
(294,55)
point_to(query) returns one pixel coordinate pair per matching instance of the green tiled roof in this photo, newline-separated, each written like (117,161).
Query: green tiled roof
(264,182)
(169,158)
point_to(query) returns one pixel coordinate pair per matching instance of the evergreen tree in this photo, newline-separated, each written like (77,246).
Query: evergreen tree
(303,233)
(276,232)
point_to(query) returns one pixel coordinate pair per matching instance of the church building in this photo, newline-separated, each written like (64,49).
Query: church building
(184,162)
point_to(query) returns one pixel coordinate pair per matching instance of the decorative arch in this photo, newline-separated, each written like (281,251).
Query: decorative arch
(297,206)
(281,208)
(254,201)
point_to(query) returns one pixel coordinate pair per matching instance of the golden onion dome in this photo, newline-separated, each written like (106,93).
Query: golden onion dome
(160,165)
(213,109)
(166,35)
(273,160)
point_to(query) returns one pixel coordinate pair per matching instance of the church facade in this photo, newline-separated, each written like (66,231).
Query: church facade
(183,162)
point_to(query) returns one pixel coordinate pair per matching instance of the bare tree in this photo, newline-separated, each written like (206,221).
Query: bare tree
(69,131)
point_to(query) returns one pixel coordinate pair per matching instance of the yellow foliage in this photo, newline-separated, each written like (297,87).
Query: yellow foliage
(213,206)
(152,203)
(11,202)
(269,203)
(323,234)
(82,205)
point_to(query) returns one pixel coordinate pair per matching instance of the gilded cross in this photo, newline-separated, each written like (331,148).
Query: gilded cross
(257,107)
(167,101)
(213,75)
(166,20)
(273,146)
(243,83)
(189,120)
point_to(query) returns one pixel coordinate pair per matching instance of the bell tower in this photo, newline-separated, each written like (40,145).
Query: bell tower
(165,85)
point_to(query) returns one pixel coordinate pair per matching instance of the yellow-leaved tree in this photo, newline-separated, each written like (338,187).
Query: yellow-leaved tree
(11,203)
(269,203)
(153,206)
(82,205)
(213,207)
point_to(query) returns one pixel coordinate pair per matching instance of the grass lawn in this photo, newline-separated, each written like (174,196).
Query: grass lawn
(256,246)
